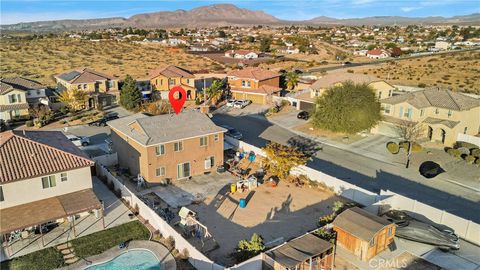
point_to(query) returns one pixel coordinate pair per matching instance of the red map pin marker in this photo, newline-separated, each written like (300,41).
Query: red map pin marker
(177,97)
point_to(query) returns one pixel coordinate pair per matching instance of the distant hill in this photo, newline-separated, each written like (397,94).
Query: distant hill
(221,15)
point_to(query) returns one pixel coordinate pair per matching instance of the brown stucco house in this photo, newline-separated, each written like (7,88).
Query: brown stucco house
(103,88)
(442,114)
(168,146)
(363,233)
(164,79)
(255,84)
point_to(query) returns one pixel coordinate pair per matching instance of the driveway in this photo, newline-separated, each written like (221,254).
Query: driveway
(288,120)
(248,110)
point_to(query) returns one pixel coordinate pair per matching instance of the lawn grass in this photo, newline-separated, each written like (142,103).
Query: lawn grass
(44,259)
(99,242)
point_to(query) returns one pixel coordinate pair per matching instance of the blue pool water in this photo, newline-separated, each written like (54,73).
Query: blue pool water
(136,259)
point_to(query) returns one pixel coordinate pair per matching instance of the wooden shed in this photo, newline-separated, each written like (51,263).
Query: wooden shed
(362,233)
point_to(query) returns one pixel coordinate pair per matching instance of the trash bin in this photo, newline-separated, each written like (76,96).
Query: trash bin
(233,188)
(242,203)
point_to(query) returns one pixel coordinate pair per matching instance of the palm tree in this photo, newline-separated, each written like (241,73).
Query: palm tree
(292,80)
(214,91)
(74,99)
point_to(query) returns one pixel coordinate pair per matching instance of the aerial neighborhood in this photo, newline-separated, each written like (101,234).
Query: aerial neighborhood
(240,141)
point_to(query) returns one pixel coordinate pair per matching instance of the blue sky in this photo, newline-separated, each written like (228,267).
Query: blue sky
(37,10)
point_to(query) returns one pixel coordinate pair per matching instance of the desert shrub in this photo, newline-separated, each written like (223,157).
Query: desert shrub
(470,159)
(284,103)
(247,249)
(477,161)
(416,147)
(322,221)
(454,152)
(185,254)
(170,243)
(393,147)
(324,234)
(29,123)
(350,71)
(475,152)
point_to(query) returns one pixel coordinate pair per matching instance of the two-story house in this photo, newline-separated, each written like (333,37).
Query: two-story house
(442,113)
(103,88)
(35,92)
(168,146)
(307,100)
(13,102)
(255,84)
(164,79)
(43,178)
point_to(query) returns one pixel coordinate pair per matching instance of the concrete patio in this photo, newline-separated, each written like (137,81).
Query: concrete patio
(116,213)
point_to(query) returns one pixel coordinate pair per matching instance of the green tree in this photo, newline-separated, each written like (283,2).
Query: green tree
(371,47)
(248,249)
(410,132)
(347,108)
(130,97)
(214,91)
(281,159)
(291,80)
(265,44)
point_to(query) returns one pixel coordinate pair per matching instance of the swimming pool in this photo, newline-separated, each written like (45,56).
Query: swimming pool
(136,259)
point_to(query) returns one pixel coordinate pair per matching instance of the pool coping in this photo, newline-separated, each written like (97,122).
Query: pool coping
(167,261)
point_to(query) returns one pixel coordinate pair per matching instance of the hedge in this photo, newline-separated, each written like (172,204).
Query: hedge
(475,152)
(29,123)
(454,152)
(393,147)
(470,159)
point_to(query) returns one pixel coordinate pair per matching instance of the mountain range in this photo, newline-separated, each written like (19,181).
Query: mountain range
(223,15)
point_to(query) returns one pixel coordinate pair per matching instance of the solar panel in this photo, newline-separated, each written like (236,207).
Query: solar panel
(70,76)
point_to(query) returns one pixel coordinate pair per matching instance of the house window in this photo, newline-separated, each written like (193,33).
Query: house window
(216,137)
(48,181)
(188,81)
(244,84)
(1,194)
(178,146)
(380,95)
(171,81)
(408,113)
(156,82)
(465,130)
(204,141)
(401,112)
(13,98)
(63,177)
(450,113)
(160,171)
(183,170)
(85,86)
(161,81)
(19,98)
(436,111)
(422,112)
(387,109)
(110,84)
(390,93)
(372,242)
(160,150)
(29,93)
(390,229)
(38,92)
(249,84)
(79,87)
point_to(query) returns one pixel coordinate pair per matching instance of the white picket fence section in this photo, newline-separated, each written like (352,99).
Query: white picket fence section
(468,138)
(466,229)
(196,258)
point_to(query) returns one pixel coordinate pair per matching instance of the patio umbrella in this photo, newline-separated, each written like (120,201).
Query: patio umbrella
(430,169)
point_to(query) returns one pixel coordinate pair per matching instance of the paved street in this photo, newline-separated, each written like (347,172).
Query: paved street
(368,173)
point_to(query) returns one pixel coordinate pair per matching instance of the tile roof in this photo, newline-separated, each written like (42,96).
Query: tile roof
(18,83)
(83,75)
(42,211)
(299,250)
(27,154)
(253,73)
(360,223)
(440,98)
(334,78)
(165,128)
(17,106)
(447,123)
(264,90)
(170,72)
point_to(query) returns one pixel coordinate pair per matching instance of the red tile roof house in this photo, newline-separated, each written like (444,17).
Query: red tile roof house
(378,54)
(43,178)
(255,84)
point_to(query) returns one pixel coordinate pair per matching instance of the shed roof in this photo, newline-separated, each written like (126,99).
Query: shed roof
(360,223)
(299,250)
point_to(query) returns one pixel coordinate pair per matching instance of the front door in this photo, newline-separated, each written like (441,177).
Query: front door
(430,132)
(443,134)
(183,170)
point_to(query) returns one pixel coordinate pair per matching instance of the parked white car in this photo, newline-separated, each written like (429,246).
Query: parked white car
(231,102)
(78,140)
(241,104)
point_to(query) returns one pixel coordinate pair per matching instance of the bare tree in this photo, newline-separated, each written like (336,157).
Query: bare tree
(410,132)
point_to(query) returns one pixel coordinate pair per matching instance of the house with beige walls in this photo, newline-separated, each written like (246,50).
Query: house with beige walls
(442,113)
(102,88)
(43,178)
(165,78)
(169,146)
(307,100)
(255,84)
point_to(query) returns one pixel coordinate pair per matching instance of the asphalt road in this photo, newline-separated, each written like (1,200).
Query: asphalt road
(370,174)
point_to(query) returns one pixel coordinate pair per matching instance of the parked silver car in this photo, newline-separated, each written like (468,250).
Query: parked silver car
(78,140)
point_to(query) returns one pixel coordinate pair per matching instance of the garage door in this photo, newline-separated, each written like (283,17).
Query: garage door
(257,99)
(305,106)
(387,130)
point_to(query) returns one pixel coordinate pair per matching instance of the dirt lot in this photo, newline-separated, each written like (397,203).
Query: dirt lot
(459,71)
(41,58)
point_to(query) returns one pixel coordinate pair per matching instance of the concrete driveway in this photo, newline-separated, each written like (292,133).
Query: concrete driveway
(288,120)
(249,110)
